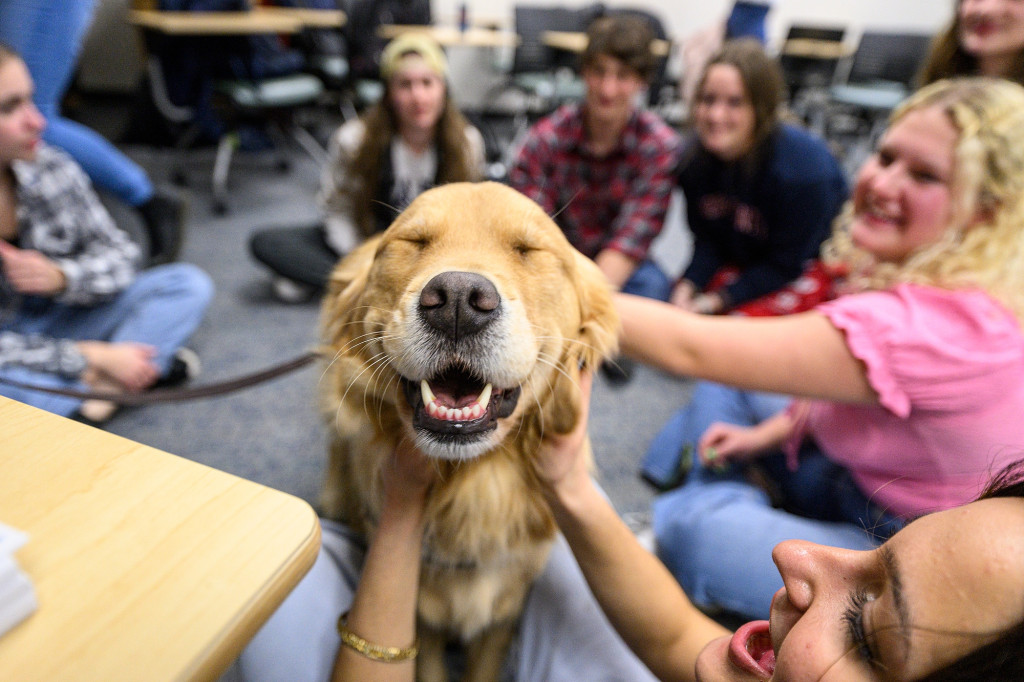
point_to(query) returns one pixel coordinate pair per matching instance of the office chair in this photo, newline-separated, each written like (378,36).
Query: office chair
(197,105)
(544,76)
(365,45)
(810,57)
(881,75)
(271,104)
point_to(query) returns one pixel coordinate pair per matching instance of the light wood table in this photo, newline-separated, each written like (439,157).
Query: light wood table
(146,565)
(258,20)
(574,41)
(451,36)
(815,49)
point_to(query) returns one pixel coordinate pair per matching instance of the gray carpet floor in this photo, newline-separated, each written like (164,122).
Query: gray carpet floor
(272,434)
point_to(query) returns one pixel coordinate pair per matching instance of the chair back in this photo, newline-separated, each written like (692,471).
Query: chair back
(746,20)
(364,17)
(531,21)
(888,57)
(810,56)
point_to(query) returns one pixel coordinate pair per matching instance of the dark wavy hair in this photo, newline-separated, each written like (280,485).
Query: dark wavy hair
(626,38)
(948,59)
(1001,660)
(762,79)
(454,158)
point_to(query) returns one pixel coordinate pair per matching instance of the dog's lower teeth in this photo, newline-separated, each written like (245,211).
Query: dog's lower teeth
(472,411)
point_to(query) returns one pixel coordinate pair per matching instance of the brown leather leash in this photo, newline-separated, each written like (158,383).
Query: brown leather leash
(164,395)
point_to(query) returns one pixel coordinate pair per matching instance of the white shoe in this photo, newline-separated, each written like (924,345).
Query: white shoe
(290,291)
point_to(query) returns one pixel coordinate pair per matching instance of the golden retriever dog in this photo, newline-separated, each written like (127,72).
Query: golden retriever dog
(463,326)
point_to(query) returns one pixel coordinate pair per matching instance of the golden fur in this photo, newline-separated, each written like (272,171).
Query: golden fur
(546,311)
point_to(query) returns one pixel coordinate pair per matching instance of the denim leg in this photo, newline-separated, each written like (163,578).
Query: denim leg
(162,307)
(57,404)
(649,281)
(48,34)
(822,489)
(716,538)
(710,402)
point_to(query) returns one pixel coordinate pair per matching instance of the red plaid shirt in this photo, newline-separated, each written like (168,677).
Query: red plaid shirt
(617,201)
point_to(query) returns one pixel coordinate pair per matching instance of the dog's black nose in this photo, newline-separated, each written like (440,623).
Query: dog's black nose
(459,303)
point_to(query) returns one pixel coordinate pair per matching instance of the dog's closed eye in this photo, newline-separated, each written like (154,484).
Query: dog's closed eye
(419,241)
(523,249)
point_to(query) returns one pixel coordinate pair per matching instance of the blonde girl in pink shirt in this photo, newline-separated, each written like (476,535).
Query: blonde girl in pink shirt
(909,387)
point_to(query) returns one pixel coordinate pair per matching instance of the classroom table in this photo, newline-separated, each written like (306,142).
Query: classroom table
(256,20)
(452,36)
(146,565)
(812,48)
(575,41)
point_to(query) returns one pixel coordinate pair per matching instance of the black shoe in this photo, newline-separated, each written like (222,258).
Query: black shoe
(164,215)
(618,371)
(184,367)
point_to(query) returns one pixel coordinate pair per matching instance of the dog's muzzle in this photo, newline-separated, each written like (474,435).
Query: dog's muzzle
(459,309)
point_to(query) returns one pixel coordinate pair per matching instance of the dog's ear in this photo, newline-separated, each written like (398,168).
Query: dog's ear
(598,337)
(344,287)
(596,340)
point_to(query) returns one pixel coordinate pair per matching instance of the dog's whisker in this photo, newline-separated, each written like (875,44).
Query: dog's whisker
(367,366)
(380,405)
(555,365)
(571,342)
(338,354)
(571,199)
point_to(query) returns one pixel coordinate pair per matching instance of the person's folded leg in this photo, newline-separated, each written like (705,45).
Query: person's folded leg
(564,634)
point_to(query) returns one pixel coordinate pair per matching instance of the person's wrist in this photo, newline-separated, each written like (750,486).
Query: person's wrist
(405,511)
(569,492)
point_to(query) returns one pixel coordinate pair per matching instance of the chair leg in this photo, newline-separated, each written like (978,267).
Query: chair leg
(309,144)
(181,145)
(221,165)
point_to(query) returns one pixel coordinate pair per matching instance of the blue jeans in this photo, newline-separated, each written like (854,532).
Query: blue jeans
(672,446)
(717,531)
(649,281)
(48,35)
(162,308)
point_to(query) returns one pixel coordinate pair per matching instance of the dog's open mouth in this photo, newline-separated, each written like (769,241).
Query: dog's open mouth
(456,403)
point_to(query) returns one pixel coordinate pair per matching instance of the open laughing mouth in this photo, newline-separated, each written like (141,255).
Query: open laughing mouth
(456,403)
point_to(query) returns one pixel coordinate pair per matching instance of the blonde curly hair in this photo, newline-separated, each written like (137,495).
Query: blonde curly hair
(983,245)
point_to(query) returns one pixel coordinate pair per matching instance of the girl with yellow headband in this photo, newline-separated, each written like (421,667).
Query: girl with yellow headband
(411,140)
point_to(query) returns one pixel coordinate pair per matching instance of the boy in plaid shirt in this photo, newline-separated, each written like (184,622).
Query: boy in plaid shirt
(603,167)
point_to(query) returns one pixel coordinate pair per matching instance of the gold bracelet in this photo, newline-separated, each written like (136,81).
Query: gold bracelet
(376,652)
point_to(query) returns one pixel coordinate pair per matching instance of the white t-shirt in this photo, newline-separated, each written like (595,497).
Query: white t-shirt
(413,173)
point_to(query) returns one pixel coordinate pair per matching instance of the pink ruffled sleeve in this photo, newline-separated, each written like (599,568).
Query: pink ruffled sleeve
(927,347)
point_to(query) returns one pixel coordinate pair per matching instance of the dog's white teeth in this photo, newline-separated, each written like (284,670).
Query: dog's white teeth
(455,414)
(428,395)
(484,398)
